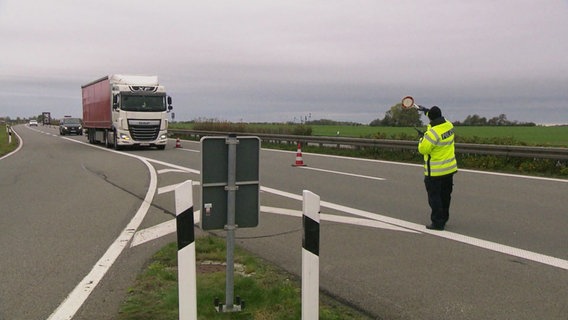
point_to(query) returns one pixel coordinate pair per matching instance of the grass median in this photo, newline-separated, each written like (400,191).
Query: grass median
(268,292)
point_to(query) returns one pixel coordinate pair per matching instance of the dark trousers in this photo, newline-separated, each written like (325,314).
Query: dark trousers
(439,197)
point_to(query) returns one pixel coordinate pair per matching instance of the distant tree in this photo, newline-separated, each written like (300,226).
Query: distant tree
(398,117)
(475,120)
(501,120)
(375,123)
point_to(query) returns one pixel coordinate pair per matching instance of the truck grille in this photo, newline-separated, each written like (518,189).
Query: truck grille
(144,133)
(144,130)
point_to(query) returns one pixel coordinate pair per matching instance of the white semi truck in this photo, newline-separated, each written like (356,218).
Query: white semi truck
(126,110)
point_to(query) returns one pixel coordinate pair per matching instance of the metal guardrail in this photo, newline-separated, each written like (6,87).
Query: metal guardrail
(345,142)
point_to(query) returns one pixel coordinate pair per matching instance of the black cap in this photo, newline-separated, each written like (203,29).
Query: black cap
(434,113)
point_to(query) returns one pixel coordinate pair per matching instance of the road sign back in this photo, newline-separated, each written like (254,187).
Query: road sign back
(215,162)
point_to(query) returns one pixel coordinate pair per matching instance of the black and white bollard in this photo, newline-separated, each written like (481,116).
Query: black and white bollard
(187,281)
(310,255)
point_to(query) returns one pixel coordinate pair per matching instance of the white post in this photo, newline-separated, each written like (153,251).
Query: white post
(310,255)
(187,281)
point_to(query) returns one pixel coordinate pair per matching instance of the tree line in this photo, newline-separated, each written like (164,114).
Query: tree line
(399,117)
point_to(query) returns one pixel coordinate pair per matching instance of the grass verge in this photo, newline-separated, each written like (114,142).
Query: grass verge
(6,147)
(269,293)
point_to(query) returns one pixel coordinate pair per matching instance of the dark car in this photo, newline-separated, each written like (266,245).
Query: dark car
(70,126)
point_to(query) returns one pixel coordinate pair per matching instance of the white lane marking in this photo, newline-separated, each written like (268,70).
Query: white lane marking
(342,173)
(525,254)
(172,187)
(153,233)
(336,218)
(188,150)
(159,230)
(79,295)
(161,171)
(184,169)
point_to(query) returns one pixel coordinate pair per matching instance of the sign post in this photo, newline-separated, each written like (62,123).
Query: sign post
(230,194)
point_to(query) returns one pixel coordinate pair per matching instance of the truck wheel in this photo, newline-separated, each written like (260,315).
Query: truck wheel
(91,136)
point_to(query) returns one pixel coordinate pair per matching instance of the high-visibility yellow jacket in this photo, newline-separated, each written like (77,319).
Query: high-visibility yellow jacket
(438,149)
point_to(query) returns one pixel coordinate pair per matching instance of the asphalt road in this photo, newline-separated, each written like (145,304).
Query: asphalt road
(65,203)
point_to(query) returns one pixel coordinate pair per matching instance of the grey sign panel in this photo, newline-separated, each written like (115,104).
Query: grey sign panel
(214,182)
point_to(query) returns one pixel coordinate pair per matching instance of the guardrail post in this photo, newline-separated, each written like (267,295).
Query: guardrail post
(310,255)
(187,277)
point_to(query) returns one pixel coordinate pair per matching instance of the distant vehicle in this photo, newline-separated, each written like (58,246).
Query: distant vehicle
(33,123)
(126,110)
(70,126)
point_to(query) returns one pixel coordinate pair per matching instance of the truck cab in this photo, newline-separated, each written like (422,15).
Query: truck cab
(139,115)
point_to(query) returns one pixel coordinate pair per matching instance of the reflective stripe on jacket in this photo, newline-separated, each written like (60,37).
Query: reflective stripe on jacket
(438,149)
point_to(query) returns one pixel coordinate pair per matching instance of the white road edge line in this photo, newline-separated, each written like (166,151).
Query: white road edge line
(79,295)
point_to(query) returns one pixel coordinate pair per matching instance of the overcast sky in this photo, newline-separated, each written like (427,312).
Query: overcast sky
(276,61)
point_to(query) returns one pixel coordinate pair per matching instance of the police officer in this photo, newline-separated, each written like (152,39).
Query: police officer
(440,165)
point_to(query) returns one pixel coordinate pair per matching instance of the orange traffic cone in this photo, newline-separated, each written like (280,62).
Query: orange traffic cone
(299,162)
(178,143)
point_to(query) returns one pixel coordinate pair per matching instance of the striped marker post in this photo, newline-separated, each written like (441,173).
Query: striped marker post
(187,281)
(310,255)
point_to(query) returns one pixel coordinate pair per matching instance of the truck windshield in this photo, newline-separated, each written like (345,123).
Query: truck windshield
(143,103)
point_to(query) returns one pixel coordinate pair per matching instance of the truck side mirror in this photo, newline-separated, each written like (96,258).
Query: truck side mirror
(170,107)
(115,102)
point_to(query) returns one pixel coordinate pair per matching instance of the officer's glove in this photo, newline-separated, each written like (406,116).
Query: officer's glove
(423,109)
(420,133)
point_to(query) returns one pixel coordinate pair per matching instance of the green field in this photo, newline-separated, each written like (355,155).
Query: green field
(543,136)
(538,135)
